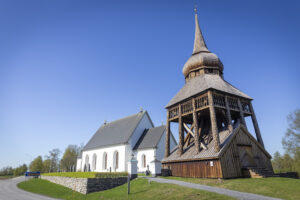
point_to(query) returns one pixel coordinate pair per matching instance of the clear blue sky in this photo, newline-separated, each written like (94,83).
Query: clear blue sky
(66,66)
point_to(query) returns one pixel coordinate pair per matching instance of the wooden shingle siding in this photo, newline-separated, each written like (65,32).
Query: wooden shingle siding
(232,161)
(196,169)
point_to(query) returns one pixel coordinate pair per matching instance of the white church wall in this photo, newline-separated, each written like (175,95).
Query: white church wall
(145,123)
(78,164)
(110,156)
(160,151)
(149,153)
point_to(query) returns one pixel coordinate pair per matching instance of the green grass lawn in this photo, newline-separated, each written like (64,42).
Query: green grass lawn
(140,189)
(285,188)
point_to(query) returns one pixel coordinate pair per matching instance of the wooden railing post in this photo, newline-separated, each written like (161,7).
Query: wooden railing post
(167,144)
(255,124)
(213,120)
(230,127)
(196,127)
(180,131)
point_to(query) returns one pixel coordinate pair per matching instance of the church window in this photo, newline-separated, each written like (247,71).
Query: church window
(104,160)
(94,162)
(116,160)
(144,161)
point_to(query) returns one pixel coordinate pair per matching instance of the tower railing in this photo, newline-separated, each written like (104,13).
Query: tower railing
(201,102)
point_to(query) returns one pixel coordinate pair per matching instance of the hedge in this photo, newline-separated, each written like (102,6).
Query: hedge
(87,174)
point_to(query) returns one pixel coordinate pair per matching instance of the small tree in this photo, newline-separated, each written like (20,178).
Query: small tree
(37,164)
(20,170)
(291,140)
(277,162)
(53,157)
(47,166)
(68,161)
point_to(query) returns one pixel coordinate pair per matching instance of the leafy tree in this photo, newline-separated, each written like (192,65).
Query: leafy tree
(20,170)
(6,171)
(53,163)
(291,140)
(68,161)
(36,164)
(277,162)
(47,166)
(290,161)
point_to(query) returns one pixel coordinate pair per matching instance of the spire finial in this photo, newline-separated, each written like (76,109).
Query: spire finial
(199,43)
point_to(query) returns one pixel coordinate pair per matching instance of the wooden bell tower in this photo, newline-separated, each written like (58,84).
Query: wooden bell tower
(208,110)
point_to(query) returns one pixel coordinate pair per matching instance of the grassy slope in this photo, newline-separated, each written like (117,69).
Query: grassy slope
(140,189)
(285,188)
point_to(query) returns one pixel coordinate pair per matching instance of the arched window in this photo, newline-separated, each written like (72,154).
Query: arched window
(94,162)
(143,161)
(86,163)
(104,162)
(116,160)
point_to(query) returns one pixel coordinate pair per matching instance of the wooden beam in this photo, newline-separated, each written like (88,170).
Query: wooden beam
(195,120)
(242,113)
(188,129)
(256,128)
(228,114)
(167,144)
(190,132)
(180,131)
(213,120)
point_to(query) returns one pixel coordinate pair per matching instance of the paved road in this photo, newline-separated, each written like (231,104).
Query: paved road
(232,193)
(10,191)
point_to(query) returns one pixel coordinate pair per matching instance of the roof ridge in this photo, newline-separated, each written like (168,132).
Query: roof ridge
(107,123)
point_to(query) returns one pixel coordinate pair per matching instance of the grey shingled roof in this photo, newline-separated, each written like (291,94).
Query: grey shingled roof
(226,137)
(203,82)
(150,138)
(191,153)
(116,132)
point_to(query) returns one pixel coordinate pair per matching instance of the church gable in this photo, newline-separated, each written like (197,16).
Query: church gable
(144,123)
(150,138)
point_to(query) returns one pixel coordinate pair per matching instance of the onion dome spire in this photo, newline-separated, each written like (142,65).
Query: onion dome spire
(202,60)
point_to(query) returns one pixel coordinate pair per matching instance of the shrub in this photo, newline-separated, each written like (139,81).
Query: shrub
(87,174)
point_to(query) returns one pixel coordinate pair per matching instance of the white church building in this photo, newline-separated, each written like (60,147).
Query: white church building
(117,142)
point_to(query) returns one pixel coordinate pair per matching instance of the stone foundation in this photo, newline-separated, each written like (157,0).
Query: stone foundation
(87,185)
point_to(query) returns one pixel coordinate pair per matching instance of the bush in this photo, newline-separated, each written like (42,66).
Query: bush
(88,174)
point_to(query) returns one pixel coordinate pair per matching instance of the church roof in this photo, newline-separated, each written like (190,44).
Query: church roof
(203,82)
(150,138)
(115,132)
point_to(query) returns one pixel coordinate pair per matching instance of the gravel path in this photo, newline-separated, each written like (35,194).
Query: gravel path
(232,193)
(10,191)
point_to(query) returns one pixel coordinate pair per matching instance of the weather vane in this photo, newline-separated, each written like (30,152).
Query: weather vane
(195,8)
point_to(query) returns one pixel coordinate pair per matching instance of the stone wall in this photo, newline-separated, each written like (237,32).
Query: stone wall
(87,185)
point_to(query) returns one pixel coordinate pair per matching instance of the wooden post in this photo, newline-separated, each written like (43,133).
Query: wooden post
(167,145)
(196,127)
(242,113)
(213,120)
(255,124)
(229,120)
(128,184)
(180,131)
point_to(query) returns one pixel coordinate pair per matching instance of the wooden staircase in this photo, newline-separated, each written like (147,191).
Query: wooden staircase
(256,172)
